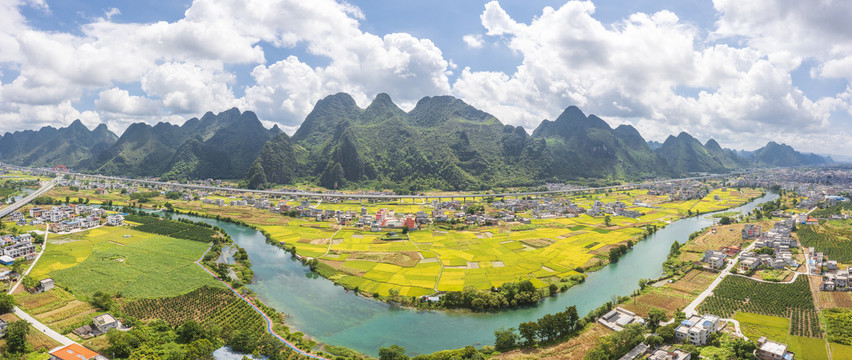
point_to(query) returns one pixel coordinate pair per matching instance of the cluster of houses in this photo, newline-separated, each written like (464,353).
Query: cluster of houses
(695,330)
(617,208)
(833,278)
(678,190)
(780,241)
(15,247)
(66,218)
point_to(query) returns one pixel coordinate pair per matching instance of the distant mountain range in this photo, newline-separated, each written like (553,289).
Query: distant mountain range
(442,143)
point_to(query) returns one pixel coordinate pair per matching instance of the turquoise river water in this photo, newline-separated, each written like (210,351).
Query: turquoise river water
(330,314)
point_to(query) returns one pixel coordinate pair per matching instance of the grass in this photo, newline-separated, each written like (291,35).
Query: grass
(139,266)
(776,329)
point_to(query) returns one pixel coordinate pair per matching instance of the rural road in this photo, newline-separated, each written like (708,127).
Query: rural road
(690,309)
(62,339)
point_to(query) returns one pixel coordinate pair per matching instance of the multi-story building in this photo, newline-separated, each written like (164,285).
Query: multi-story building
(697,330)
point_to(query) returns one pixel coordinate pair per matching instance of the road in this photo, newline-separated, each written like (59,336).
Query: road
(690,309)
(9,209)
(62,339)
(365,196)
(43,246)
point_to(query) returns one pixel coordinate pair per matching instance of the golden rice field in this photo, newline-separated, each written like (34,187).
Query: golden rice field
(450,260)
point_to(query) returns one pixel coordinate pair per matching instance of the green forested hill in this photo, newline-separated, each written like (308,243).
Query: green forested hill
(442,143)
(68,146)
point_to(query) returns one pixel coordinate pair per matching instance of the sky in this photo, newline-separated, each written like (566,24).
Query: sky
(741,72)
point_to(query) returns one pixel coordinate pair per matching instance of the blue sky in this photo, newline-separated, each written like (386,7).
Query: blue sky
(743,73)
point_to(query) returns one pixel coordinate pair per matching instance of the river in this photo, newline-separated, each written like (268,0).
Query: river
(327,312)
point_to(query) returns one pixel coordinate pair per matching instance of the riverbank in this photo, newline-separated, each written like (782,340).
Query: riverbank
(553,254)
(332,315)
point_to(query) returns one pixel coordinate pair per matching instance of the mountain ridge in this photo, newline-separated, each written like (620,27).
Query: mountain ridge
(441,143)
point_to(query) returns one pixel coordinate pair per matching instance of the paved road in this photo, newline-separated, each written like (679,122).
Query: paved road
(367,196)
(690,309)
(9,209)
(62,339)
(43,246)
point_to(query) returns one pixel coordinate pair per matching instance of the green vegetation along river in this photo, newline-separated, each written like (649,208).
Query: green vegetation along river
(332,315)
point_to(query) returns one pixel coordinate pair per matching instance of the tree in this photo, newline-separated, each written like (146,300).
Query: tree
(668,332)
(102,300)
(654,341)
(692,349)
(7,303)
(725,220)
(674,249)
(505,339)
(16,337)
(121,343)
(607,220)
(18,266)
(189,331)
(548,327)
(200,349)
(393,352)
(29,282)
(243,341)
(655,317)
(528,331)
(67,200)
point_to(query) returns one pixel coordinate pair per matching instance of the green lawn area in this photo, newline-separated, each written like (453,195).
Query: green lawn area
(140,265)
(776,329)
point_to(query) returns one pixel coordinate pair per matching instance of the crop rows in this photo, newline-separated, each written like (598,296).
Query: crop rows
(236,316)
(198,305)
(175,229)
(793,301)
(212,307)
(828,242)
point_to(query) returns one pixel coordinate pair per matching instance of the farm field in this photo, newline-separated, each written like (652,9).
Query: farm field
(137,264)
(37,339)
(671,296)
(439,259)
(833,238)
(206,305)
(57,309)
(451,259)
(726,235)
(792,301)
(775,328)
